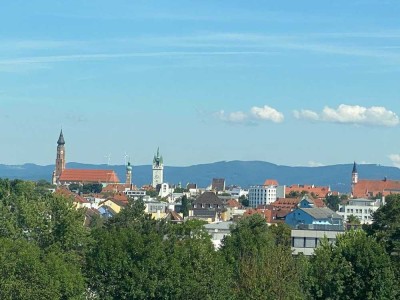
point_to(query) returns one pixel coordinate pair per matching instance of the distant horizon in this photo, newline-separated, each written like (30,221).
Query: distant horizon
(221,161)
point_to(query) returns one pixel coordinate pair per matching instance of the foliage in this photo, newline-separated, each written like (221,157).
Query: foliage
(386,226)
(244,201)
(152,193)
(180,190)
(185,206)
(355,267)
(87,188)
(262,267)
(333,202)
(27,272)
(353,220)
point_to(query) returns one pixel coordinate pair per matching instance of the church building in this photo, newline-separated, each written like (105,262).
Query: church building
(63,176)
(365,188)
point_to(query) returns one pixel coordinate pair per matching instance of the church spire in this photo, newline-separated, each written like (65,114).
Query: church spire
(61,139)
(354,168)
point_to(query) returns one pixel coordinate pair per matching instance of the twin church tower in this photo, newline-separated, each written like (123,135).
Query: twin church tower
(158,165)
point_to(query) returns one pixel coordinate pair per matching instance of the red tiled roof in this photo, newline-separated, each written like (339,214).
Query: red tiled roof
(77,175)
(370,188)
(286,203)
(68,193)
(271,182)
(232,203)
(318,191)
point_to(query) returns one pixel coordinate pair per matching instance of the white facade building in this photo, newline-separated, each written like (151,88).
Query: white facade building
(360,208)
(262,195)
(158,169)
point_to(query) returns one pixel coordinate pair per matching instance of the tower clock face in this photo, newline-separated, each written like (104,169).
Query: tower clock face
(156,176)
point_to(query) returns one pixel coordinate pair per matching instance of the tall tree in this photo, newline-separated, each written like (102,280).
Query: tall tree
(355,267)
(262,267)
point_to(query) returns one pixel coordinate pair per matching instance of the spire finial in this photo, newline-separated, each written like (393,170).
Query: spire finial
(61,140)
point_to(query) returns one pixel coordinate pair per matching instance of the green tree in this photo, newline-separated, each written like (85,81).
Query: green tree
(185,206)
(386,225)
(333,202)
(262,267)
(244,201)
(353,220)
(27,272)
(355,267)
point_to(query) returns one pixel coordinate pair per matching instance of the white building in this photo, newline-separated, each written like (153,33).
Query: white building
(158,169)
(360,208)
(218,231)
(262,195)
(305,240)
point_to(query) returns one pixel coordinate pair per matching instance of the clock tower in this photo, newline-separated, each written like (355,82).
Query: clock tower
(158,169)
(60,160)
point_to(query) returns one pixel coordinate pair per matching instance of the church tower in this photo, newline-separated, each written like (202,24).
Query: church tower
(158,169)
(354,178)
(354,174)
(60,160)
(128,180)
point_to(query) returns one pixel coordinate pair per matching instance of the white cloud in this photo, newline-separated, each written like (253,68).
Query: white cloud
(233,117)
(306,114)
(267,113)
(395,158)
(352,114)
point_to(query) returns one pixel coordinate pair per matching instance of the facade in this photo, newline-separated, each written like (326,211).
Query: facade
(308,238)
(313,216)
(218,231)
(360,208)
(262,195)
(158,169)
(218,184)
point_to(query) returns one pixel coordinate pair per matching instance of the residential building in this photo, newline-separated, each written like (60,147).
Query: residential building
(361,208)
(262,194)
(306,238)
(218,231)
(313,216)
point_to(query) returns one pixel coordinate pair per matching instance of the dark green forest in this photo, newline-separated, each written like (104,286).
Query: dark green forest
(49,251)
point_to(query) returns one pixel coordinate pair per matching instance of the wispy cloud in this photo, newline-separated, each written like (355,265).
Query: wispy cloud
(256,114)
(395,158)
(352,114)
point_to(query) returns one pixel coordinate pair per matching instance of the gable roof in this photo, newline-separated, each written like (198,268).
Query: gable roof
(78,175)
(321,213)
(208,198)
(366,187)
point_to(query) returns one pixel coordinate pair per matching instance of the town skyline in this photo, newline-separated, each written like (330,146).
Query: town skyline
(293,84)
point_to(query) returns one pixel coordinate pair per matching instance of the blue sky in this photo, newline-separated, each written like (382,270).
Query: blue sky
(289,82)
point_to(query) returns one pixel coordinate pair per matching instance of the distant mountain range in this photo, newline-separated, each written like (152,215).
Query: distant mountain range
(243,173)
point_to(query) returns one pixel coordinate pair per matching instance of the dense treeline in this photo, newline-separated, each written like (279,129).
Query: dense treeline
(46,252)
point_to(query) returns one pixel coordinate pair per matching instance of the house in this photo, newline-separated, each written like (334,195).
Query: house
(218,231)
(310,225)
(361,208)
(313,216)
(263,194)
(319,192)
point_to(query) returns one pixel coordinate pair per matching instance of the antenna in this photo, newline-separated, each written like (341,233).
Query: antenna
(108,158)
